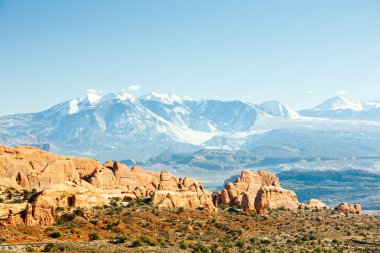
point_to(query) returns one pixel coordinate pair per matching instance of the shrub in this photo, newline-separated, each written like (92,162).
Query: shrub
(114,203)
(26,194)
(199,247)
(137,243)
(94,236)
(49,247)
(119,239)
(298,241)
(55,235)
(183,245)
(30,249)
(181,209)
(223,207)
(78,211)
(148,240)
(240,244)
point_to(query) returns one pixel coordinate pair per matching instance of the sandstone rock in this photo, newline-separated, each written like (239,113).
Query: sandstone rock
(5,209)
(275,197)
(345,207)
(66,195)
(317,204)
(257,191)
(12,220)
(136,168)
(31,167)
(168,182)
(186,199)
(103,178)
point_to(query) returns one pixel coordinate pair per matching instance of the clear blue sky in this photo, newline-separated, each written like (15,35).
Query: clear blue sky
(299,52)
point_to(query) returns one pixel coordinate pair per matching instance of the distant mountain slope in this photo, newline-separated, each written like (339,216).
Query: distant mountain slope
(120,126)
(342,108)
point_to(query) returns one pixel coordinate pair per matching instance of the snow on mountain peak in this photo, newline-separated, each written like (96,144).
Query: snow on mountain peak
(371,105)
(275,108)
(169,98)
(338,103)
(93,96)
(73,106)
(123,95)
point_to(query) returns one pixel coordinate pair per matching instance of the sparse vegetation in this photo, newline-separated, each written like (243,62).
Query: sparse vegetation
(145,228)
(94,236)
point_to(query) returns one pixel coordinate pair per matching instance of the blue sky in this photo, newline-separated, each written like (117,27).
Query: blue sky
(298,52)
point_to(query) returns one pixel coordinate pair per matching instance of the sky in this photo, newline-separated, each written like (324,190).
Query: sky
(298,52)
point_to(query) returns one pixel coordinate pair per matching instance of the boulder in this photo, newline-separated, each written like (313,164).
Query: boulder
(317,204)
(346,207)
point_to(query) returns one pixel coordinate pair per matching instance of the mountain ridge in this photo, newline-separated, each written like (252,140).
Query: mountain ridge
(121,126)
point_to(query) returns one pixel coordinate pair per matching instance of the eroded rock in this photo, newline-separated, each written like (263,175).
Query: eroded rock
(257,191)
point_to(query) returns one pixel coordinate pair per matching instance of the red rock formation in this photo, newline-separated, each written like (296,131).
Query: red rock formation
(313,204)
(31,167)
(345,207)
(187,192)
(257,191)
(70,182)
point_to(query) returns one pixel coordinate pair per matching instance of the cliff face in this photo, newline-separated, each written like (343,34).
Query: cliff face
(257,191)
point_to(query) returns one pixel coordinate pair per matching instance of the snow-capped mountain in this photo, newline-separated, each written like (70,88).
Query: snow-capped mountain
(342,108)
(275,108)
(338,104)
(120,126)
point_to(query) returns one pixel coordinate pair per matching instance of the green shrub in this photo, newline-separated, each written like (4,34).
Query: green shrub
(78,211)
(30,249)
(240,244)
(137,243)
(148,240)
(55,235)
(94,236)
(49,247)
(119,239)
(183,245)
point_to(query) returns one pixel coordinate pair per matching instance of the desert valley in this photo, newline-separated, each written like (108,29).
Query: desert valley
(58,203)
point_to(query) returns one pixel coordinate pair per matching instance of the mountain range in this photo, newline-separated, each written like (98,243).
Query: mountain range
(121,126)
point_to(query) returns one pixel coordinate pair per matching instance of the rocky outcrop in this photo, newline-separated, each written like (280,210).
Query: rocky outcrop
(272,197)
(31,167)
(12,219)
(69,182)
(345,207)
(257,191)
(313,204)
(68,195)
(185,192)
